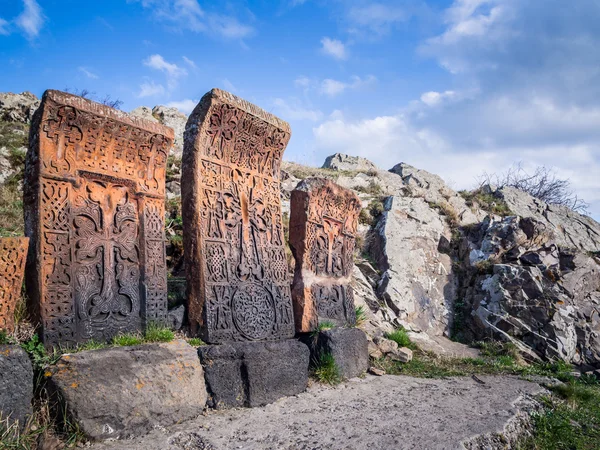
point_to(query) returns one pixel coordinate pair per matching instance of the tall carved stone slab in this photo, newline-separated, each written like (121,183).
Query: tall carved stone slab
(323,222)
(236,270)
(94,209)
(13,253)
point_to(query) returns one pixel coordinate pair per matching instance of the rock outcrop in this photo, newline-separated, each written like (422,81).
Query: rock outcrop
(18,107)
(170,117)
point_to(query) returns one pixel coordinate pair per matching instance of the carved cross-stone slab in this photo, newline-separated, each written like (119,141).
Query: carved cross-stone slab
(323,222)
(236,270)
(13,253)
(94,209)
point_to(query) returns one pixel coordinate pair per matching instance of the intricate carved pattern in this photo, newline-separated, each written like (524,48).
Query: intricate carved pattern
(322,234)
(244,275)
(13,253)
(100,228)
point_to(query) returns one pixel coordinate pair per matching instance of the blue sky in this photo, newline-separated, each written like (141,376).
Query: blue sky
(456,87)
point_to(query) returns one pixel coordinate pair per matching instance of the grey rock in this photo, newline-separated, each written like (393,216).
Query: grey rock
(175,317)
(172,117)
(254,373)
(144,112)
(349,349)
(386,345)
(388,412)
(18,107)
(377,372)
(121,392)
(339,161)
(173,189)
(418,283)
(16,383)
(403,354)
(567,228)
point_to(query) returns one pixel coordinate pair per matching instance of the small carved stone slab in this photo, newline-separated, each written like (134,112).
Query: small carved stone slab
(236,269)
(94,209)
(323,222)
(13,253)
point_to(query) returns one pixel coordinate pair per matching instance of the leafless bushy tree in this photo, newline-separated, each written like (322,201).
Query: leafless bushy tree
(106,100)
(543,184)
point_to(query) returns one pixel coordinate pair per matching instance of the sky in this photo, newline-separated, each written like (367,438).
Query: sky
(455,87)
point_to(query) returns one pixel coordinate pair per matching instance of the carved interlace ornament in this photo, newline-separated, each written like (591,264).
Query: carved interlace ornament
(13,253)
(323,223)
(94,208)
(238,287)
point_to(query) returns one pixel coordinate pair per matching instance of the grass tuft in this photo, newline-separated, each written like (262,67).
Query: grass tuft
(325,370)
(400,337)
(361,315)
(126,340)
(158,333)
(196,342)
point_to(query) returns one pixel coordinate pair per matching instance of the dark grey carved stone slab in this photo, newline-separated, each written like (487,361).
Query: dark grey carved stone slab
(254,373)
(16,383)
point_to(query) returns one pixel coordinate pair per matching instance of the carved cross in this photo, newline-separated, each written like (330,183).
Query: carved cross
(107,224)
(332,230)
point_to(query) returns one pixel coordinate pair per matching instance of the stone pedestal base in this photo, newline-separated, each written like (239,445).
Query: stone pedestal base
(348,346)
(16,383)
(254,373)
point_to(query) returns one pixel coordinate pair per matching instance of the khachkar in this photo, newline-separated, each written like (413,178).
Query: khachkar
(237,282)
(13,253)
(94,209)
(323,222)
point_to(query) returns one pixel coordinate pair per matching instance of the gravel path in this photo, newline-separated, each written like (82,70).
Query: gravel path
(389,412)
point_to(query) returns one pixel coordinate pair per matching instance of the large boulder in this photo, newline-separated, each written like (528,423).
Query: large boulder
(121,392)
(16,383)
(340,161)
(18,107)
(418,283)
(520,286)
(565,227)
(254,373)
(172,117)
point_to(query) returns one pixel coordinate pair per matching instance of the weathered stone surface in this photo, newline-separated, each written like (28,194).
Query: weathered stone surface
(144,112)
(322,238)
(339,161)
(418,284)
(18,107)
(120,392)
(94,210)
(254,373)
(522,287)
(175,317)
(175,119)
(389,412)
(567,228)
(16,383)
(13,254)
(348,346)
(236,268)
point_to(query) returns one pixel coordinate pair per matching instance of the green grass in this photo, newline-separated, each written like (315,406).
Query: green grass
(196,342)
(158,333)
(487,202)
(126,340)
(361,315)
(325,370)
(400,337)
(4,338)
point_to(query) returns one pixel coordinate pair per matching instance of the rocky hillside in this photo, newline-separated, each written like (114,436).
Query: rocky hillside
(467,266)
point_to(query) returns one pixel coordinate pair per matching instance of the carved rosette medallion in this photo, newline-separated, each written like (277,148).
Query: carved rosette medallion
(13,253)
(323,223)
(237,281)
(94,209)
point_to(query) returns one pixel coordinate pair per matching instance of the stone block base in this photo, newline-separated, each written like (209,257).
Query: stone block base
(254,373)
(348,346)
(127,391)
(16,383)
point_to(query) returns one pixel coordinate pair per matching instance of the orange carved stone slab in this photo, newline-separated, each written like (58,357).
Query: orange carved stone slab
(13,253)
(237,282)
(94,209)
(323,222)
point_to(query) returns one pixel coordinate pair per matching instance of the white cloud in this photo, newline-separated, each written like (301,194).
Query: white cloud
(189,62)
(185,106)
(332,87)
(293,110)
(433,98)
(4,24)
(188,15)
(302,82)
(31,20)
(376,17)
(334,48)
(172,70)
(88,73)
(150,89)
(229,86)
